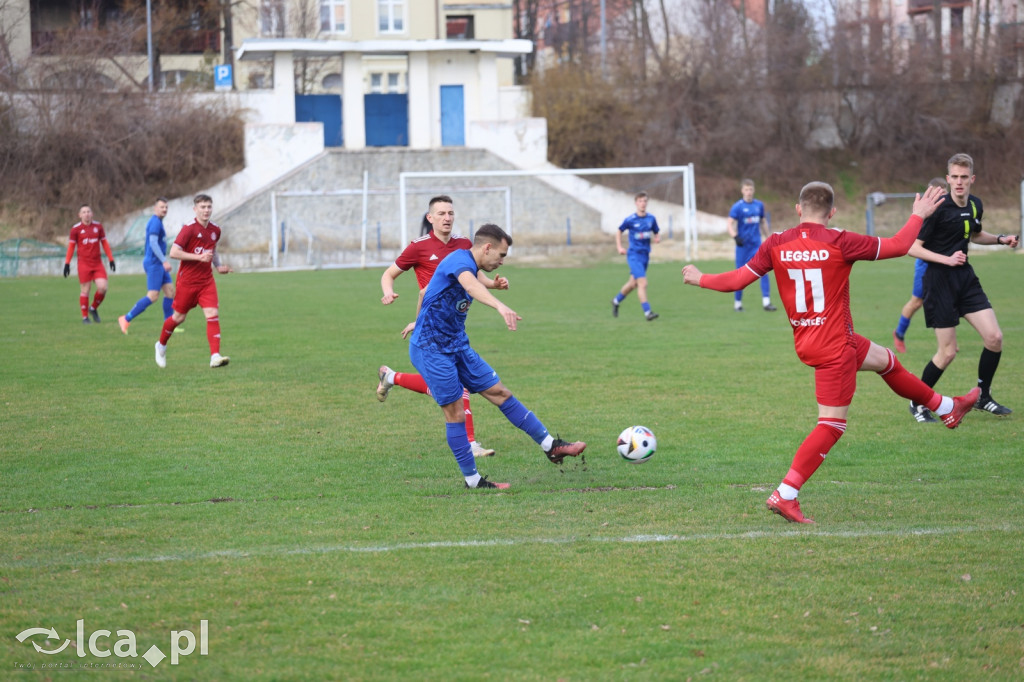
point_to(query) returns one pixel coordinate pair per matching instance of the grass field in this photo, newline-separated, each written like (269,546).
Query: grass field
(324,535)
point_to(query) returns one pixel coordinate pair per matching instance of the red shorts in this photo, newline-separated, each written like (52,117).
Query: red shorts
(187,296)
(835,382)
(88,272)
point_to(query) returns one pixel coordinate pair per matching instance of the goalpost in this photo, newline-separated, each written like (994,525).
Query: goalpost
(688,198)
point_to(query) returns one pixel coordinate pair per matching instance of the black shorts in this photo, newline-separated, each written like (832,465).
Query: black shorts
(951,293)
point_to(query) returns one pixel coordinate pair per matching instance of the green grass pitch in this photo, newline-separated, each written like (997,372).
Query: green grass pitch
(324,535)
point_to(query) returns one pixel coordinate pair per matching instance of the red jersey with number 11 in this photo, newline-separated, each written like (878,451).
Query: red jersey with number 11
(812,272)
(197,239)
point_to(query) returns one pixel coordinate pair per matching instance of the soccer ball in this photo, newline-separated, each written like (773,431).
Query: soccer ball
(637,444)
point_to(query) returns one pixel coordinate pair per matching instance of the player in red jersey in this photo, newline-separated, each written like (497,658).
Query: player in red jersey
(196,248)
(88,236)
(423,255)
(812,272)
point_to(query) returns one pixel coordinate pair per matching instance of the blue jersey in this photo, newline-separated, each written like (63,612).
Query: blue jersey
(641,229)
(441,324)
(155,228)
(748,218)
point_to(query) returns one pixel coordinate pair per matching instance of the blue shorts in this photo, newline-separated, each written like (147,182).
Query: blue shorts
(447,373)
(637,261)
(156,277)
(919,268)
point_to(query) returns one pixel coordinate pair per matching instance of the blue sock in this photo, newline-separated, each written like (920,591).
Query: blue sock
(901,328)
(458,441)
(137,309)
(646,307)
(619,297)
(168,308)
(523,419)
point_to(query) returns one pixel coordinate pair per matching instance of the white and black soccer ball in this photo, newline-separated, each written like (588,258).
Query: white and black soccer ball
(637,444)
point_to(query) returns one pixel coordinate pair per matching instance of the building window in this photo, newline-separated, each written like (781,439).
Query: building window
(375,82)
(272,18)
(393,82)
(391,16)
(333,16)
(459,27)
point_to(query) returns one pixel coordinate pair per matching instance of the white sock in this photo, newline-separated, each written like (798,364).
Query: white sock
(766,300)
(547,443)
(787,492)
(471,481)
(945,407)
(389,377)
(737,304)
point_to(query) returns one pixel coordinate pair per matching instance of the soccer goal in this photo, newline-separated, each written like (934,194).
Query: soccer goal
(543,212)
(314,228)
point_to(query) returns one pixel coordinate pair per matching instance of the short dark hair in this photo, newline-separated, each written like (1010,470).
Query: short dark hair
(159,199)
(640,195)
(818,197)
(440,198)
(491,233)
(202,197)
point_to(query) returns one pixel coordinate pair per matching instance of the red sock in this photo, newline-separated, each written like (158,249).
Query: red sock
(812,451)
(83,303)
(413,382)
(167,330)
(469,416)
(213,334)
(98,298)
(908,386)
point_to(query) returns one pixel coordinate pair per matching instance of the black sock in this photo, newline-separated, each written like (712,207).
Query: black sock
(931,374)
(987,365)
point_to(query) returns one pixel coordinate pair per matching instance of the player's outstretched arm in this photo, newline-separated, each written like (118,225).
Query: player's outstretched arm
(724,281)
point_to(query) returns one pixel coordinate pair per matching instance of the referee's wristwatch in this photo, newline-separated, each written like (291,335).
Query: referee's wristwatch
(999,240)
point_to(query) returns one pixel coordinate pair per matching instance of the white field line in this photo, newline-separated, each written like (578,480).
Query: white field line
(802,533)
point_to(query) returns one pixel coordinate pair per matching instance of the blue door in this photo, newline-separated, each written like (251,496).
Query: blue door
(387,120)
(323,108)
(453,116)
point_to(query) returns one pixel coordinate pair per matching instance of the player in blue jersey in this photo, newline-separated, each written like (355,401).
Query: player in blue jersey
(747,224)
(157,265)
(642,228)
(439,348)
